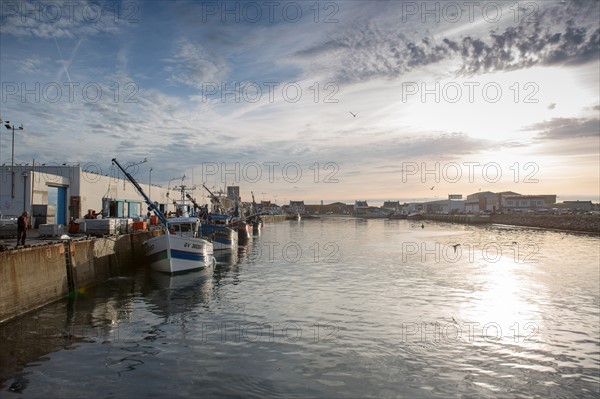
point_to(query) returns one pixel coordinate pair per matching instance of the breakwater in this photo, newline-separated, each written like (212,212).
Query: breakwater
(467,219)
(273,218)
(572,222)
(35,276)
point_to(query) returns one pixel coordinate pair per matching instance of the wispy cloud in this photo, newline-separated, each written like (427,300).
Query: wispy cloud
(193,65)
(60,19)
(567,128)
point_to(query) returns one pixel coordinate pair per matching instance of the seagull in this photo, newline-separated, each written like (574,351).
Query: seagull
(453,317)
(353,114)
(431,188)
(455,246)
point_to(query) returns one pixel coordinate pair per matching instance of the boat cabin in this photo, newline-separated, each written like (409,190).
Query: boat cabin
(184,227)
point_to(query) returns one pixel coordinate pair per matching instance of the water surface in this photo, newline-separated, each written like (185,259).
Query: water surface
(335,307)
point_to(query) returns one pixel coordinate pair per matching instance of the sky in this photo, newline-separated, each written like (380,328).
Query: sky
(311,100)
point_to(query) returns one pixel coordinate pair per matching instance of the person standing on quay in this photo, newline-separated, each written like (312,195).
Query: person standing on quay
(22,223)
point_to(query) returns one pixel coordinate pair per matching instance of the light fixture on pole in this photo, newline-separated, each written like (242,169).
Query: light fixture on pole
(12,162)
(150,182)
(130,164)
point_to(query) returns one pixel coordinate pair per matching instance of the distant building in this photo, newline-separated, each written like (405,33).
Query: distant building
(393,206)
(449,205)
(482,201)
(265,206)
(233,193)
(337,208)
(297,206)
(575,205)
(528,202)
(360,207)
(487,201)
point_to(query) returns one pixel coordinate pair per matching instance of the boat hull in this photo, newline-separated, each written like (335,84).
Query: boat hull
(256,228)
(244,231)
(169,253)
(222,237)
(414,216)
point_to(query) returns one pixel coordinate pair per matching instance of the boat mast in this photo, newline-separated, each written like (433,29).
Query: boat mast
(151,205)
(215,198)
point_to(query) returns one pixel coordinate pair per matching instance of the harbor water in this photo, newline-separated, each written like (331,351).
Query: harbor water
(336,307)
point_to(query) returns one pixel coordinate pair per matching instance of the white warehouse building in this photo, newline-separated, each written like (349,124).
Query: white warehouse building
(57,194)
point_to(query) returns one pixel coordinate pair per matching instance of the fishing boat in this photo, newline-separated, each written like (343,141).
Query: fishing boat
(214,228)
(234,220)
(398,215)
(179,248)
(414,216)
(295,216)
(256,223)
(243,229)
(254,218)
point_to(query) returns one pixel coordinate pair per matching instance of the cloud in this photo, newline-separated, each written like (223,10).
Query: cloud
(567,128)
(369,50)
(528,45)
(192,65)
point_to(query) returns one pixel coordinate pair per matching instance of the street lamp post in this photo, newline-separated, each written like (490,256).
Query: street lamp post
(24,191)
(150,183)
(12,162)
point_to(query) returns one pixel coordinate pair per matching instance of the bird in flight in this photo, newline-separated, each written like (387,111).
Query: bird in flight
(352,113)
(455,246)
(431,188)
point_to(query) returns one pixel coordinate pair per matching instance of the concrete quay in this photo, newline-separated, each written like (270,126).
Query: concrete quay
(37,274)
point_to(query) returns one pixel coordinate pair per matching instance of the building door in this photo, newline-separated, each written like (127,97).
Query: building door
(61,205)
(120,209)
(57,199)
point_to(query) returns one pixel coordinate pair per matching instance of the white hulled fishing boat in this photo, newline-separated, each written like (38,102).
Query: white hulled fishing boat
(179,248)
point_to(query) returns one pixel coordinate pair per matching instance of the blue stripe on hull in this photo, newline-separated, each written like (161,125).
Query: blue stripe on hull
(176,254)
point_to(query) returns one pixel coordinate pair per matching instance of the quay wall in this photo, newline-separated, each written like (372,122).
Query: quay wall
(31,277)
(273,218)
(35,276)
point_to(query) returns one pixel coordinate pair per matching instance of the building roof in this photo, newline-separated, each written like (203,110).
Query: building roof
(508,193)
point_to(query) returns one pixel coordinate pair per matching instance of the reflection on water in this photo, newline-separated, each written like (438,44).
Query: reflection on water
(332,308)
